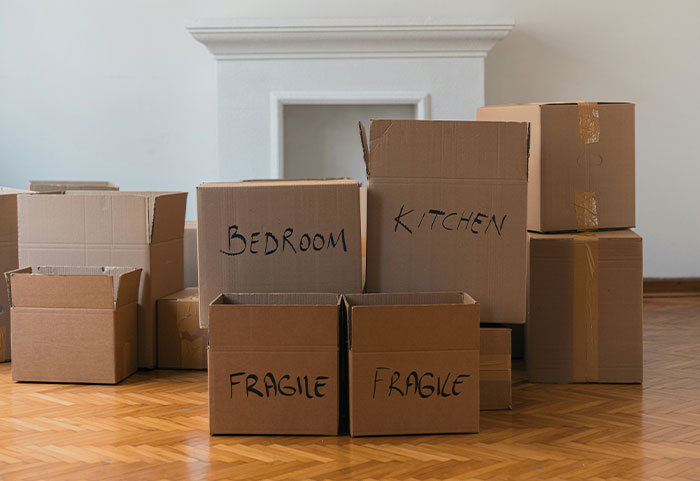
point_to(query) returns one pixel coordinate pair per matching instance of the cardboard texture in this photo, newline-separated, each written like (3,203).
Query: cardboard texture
(363,232)
(64,185)
(74,324)
(278,236)
(190,248)
(585,308)
(581,163)
(495,369)
(273,364)
(182,344)
(413,363)
(88,228)
(446,211)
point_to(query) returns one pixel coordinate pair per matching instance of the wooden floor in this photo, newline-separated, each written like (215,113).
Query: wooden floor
(154,426)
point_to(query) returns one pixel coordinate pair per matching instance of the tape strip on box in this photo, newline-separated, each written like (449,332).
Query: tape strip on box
(586,208)
(585,315)
(588,123)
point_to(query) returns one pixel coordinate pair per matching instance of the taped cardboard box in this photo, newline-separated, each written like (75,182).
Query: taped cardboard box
(413,363)
(495,370)
(64,185)
(585,308)
(74,324)
(581,163)
(88,228)
(278,236)
(182,344)
(190,247)
(273,364)
(446,211)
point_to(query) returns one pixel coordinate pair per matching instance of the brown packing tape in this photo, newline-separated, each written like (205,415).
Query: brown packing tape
(585,306)
(501,375)
(586,209)
(494,362)
(588,123)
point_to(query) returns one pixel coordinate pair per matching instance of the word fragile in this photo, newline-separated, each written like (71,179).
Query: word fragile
(286,385)
(409,220)
(423,385)
(267,243)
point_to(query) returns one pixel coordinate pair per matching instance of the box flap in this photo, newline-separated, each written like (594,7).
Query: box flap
(12,190)
(127,285)
(168,216)
(400,149)
(64,185)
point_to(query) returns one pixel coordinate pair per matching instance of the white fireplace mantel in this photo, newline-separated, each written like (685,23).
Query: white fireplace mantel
(435,64)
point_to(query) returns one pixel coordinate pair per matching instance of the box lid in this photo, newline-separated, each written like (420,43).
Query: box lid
(63,185)
(73,287)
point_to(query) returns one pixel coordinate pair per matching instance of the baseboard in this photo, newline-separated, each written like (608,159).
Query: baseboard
(672,287)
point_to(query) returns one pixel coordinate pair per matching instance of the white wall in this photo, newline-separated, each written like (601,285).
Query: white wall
(118,90)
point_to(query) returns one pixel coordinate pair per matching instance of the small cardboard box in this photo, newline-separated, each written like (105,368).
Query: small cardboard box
(278,236)
(413,363)
(64,185)
(190,248)
(495,372)
(182,344)
(92,228)
(74,324)
(273,364)
(585,308)
(446,208)
(581,163)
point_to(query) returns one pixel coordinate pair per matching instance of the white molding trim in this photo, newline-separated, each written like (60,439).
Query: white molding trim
(264,39)
(421,101)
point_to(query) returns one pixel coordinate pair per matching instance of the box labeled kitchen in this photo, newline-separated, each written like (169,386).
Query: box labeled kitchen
(413,363)
(446,211)
(182,344)
(273,364)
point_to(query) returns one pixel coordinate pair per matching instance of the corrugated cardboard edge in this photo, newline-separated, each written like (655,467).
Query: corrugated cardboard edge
(365,146)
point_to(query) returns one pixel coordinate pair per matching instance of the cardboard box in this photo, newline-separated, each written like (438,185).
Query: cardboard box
(413,363)
(363,232)
(585,307)
(446,211)
(273,364)
(278,236)
(8,261)
(64,185)
(74,324)
(182,344)
(581,163)
(91,228)
(495,372)
(190,247)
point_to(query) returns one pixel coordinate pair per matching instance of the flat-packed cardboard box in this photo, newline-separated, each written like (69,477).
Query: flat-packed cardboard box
(190,247)
(182,344)
(64,185)
(413,363)
(278,236)
(495,372)
(8,261)
(74,324)
(581,163)
(585,308)
(89,228)
(273,364)
(446,211)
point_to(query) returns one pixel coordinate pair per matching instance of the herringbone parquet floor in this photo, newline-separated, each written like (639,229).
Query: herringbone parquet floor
(154,426)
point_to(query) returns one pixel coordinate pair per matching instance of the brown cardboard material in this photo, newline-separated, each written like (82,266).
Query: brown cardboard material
(182,344)
(278,236)
(292,338)
(401,346)
(64,185)
(74,324)
(495,369)
(581,163)
(190,248)
(363,230)
(446,211)
(585,307)
(87,228)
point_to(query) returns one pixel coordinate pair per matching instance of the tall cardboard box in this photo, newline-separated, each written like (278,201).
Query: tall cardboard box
(446,208)
(141,229)
(273,364)
(495,371)
(190,247)
(581,163)
(585,307)
(278,236)
(182,344)
(64,185)
(413,363)
(74,324)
